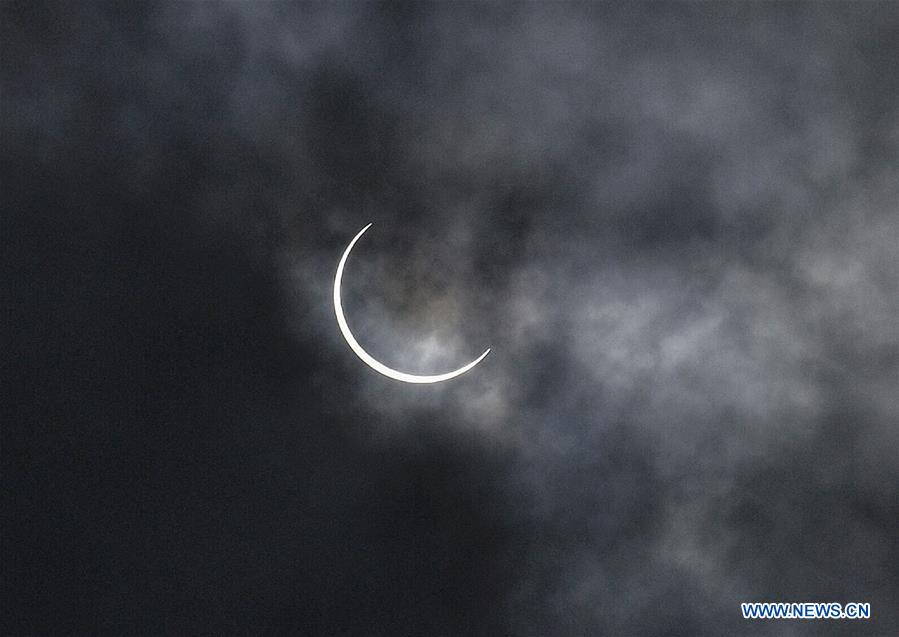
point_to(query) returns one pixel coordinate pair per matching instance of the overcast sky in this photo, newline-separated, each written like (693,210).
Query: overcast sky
(676,226)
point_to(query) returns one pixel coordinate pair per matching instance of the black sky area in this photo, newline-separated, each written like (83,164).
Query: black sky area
(675,224)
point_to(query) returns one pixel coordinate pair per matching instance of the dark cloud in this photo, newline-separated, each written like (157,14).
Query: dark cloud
(674,224)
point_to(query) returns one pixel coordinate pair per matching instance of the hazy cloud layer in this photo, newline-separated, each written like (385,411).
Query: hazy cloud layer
(676,226)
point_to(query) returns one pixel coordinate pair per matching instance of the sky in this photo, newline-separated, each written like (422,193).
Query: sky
(675,226)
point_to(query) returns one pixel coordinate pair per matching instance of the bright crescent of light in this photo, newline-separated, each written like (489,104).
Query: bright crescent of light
(365,356)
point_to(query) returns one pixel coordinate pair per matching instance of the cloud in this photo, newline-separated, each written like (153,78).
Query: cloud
(675,226)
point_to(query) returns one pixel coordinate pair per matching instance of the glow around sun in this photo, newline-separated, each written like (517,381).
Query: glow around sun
(367,358)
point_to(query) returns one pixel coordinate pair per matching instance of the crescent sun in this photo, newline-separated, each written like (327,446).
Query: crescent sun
(365,356)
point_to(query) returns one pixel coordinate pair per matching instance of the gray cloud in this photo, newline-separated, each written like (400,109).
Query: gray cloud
(675,225)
